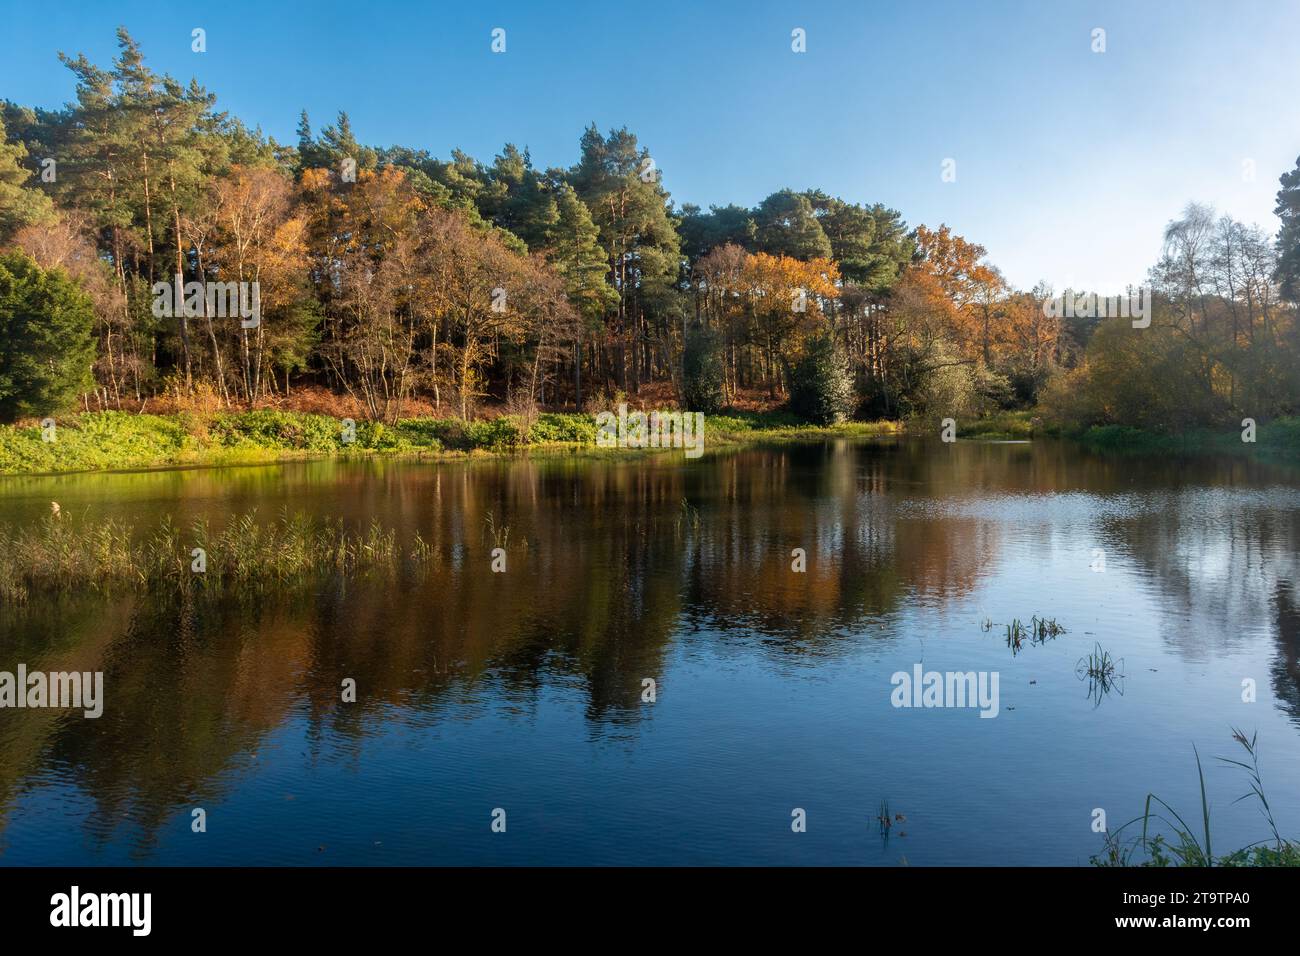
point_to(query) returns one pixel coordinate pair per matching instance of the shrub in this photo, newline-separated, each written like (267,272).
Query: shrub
(1155,380)
(267,428)
(599,400)
(943,385)
(46,346)
(993,390)
(376,436)
(821,388)
(702,372)
(503,432)
(563,428)
(422,432)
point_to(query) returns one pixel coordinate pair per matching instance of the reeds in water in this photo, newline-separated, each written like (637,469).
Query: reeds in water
(61,553)
(1185,845)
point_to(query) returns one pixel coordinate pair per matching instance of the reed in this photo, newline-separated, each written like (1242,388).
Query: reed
(62,553)
(1183,845)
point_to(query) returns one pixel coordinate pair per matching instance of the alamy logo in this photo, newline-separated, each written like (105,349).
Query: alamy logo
(653,430)
(1089,305)
(103,909)
(215,299)
(75,689)
(946,689)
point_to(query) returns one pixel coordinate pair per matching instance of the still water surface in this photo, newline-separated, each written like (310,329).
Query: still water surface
(523,690)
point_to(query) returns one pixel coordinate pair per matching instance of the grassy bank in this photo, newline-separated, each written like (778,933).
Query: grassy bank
(1279,438)
(742,427)
(1004,426)
(122,440)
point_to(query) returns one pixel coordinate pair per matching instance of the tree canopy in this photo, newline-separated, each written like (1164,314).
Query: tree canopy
(396,278)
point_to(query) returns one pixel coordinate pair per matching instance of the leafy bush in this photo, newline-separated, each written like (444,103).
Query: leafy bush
(270,429)
(599,400)
(821,388)
(1154,380)
(1116,436)
(451,432)
(993,390)
(702,372)
(376,436)
(1282,436)
(942,386)
(1004,425)
(563,428)
(503,432)
(46,346)
(424,433)
(739,421)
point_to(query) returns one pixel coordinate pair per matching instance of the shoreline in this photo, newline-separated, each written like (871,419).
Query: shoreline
(124,442)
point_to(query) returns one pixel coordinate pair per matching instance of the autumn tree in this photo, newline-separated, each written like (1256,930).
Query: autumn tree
(250,232)
(789,300)
(364,249)
(488,294)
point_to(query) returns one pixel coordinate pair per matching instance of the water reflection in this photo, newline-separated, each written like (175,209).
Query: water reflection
(617,571)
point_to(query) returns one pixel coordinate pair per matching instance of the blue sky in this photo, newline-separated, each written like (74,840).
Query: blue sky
(1068,162)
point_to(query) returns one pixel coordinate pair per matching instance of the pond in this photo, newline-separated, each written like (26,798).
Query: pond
(651,681)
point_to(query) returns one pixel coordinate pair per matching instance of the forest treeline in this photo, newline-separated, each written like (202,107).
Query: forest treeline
(404,281)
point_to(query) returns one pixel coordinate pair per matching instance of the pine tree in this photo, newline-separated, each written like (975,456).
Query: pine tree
(573,247)
(621,187)
(20,204)
(787,226)
(1288,237)
(46,347)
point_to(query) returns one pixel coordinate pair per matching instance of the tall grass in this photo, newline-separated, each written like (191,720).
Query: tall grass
(61,553)
(1187,845)
(1006,425)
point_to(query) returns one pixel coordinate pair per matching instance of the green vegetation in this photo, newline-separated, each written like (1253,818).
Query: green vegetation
(1100,665)
(1044,629)
(19,206)
(1040,631)
(1004,425)
(60,554)
(104,440)
(121,440)
(821,388)
(703,376)
(735,427)
(391,279)
(1279,438)
(46,349)
(1220,343)
(1191,846)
